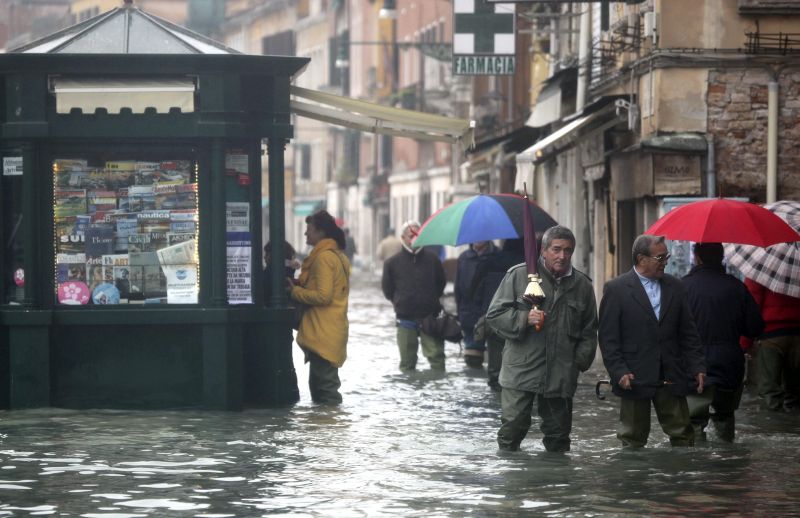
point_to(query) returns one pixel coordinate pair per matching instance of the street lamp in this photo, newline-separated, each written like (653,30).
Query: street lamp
(389,10)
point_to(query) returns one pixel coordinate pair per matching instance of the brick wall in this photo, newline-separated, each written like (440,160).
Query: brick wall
(737,118)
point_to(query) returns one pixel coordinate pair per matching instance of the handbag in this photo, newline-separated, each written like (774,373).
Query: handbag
(443,326)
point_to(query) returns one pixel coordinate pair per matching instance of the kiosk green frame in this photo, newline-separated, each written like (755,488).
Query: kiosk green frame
(56,98)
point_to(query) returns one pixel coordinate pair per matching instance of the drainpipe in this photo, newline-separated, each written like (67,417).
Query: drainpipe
(711,168)
(583,57)
(772,142)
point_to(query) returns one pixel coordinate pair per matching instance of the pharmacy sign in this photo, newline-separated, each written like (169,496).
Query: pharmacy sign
(483,38)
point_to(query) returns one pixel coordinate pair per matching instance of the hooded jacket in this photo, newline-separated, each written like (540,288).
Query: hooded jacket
(324,286)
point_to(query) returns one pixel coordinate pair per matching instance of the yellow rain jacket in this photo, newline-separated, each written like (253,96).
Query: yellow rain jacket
(324,285)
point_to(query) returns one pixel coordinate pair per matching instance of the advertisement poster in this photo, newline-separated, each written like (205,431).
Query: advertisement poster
(239,272)
(178,264)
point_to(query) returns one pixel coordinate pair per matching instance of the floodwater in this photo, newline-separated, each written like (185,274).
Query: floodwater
(399,445)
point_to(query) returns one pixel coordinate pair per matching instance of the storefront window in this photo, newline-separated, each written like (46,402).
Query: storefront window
(125,231)
(13,272)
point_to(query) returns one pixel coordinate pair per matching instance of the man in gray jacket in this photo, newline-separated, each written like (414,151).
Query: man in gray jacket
(543,365)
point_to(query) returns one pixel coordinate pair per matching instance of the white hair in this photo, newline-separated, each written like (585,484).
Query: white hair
(407,224)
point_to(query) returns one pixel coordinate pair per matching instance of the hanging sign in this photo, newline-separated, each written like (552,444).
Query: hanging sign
(483,38)
(12,166)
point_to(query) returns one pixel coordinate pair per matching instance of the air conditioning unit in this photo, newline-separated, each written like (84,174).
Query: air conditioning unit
(651,26)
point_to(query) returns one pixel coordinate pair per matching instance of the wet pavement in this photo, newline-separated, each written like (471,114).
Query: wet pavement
(421,444)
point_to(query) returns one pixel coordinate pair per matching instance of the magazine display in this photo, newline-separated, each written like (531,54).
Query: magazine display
(116,222)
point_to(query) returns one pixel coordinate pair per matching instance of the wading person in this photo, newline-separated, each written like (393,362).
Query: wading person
(323,288)
(545,348)
(414,281)
(469,306)
(723,311)
(650,346)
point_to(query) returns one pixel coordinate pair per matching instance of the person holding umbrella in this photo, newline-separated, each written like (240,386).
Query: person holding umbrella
(471,308)
(773,278)
(546,345)
(723,311)
(650,346)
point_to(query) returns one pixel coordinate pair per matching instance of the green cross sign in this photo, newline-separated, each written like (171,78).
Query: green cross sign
(483,38)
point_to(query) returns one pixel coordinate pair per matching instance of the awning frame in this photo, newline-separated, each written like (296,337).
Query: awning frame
(384,120)
(566,136)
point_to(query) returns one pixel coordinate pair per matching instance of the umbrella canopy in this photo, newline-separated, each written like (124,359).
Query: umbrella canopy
(480,218)
(777,267)
(724,221)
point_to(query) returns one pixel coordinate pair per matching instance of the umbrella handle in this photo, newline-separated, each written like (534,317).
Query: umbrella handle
(540,324)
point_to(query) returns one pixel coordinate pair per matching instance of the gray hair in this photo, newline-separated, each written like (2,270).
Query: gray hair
(557,232)
(409,223)
(642,244)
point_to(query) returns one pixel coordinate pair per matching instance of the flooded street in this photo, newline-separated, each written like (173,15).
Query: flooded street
(410,445)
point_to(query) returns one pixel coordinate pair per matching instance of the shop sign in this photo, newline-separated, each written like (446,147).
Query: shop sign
(483,38)
(12,166)
(676,174)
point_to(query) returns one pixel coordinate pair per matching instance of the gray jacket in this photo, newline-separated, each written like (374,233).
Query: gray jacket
(548,361)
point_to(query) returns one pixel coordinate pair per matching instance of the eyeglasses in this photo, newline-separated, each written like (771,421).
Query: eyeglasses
(663,258)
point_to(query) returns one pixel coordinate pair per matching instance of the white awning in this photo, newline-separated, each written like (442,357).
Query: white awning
(548,107)
(565,136)
(384,120)
(115,94)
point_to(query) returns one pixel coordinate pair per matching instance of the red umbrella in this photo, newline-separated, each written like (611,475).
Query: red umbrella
(724,221)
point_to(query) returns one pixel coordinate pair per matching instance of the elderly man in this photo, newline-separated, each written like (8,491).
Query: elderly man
(650,346)
(544,347)
(414,280)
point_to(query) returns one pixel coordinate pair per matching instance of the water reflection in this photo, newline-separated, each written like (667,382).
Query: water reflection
(421,444)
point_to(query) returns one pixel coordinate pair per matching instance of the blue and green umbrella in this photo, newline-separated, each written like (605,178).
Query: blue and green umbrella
(484,217)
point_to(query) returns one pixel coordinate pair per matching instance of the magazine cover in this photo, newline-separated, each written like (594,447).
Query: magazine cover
(99,240)
(122,281)
(109,262)
(69,202)
(154,221)
(94,272)
(103,201)
(175,196)
(140,198)
(120,179)
(146,242)
(70,267)
(68,240)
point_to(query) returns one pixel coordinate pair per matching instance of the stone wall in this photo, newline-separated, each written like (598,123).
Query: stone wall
(737,119)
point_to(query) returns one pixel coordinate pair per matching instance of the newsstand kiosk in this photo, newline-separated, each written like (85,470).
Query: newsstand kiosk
(131,220)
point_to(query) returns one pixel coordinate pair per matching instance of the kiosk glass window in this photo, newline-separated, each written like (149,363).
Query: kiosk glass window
(13,243)
(125,230)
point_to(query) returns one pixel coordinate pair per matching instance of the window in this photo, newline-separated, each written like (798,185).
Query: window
(125,230)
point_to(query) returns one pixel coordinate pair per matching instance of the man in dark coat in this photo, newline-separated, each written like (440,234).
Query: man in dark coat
(488,276)
(414,281)
(471,308)
(650,346)
(724,311)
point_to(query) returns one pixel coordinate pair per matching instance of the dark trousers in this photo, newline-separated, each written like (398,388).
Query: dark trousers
(515,419)
(724,403)
(779,372)
(672,412)
(323,380)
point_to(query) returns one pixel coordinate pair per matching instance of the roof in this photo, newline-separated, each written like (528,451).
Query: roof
(125,30)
